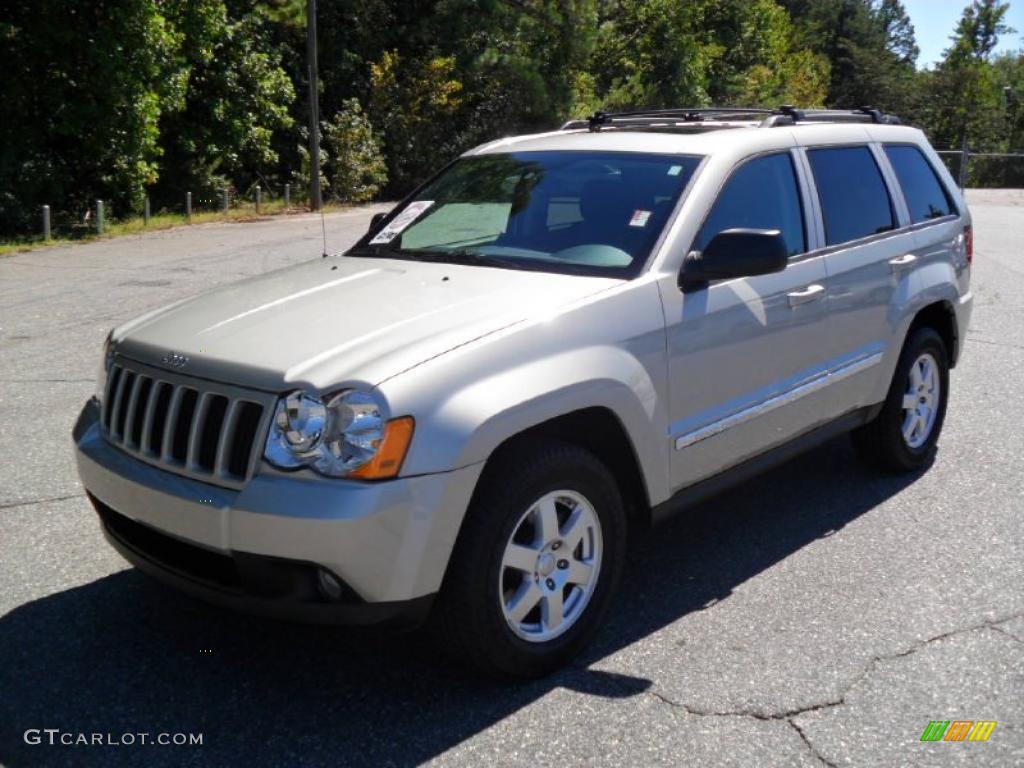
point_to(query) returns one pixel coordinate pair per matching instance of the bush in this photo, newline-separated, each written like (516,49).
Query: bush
(353,160)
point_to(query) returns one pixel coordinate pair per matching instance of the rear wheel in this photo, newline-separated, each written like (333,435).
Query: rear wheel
(903,436)
(536,563)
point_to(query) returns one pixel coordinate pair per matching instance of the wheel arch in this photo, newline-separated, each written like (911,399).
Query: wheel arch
(941,316)
(600,431)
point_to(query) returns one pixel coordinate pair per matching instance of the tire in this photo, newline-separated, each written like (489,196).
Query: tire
(473,619)
(884,442)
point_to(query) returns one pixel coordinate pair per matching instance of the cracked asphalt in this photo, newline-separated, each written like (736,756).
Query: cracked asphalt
(821,614)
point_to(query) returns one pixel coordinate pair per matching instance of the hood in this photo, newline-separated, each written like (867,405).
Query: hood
(343,320)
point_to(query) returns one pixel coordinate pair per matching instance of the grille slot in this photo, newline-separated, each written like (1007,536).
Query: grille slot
(191,427)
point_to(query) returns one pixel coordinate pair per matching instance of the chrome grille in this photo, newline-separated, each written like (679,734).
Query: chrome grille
(201,429)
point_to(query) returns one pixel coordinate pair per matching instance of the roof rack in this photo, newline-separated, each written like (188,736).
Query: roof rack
(689,118)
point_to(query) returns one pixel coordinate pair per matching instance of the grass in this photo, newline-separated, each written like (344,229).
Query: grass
(136,225)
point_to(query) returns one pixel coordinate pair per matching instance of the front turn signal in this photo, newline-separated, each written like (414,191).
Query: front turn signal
(387,462)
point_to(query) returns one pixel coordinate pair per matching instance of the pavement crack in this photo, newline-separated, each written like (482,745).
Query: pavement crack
(788,715)
(810,747)
(47,381)
(995,343)
(1003,632)
(16,504)
(753,713)
(782,717)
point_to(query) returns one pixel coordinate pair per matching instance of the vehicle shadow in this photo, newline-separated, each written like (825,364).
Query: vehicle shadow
(125,655)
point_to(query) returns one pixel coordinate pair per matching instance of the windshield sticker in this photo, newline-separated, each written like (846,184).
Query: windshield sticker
(639,218)
(675,170)
(401,222)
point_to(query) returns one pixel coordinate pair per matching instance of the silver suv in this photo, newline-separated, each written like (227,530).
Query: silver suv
(556,338)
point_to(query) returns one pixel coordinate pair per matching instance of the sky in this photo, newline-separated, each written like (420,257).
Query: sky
(934,21)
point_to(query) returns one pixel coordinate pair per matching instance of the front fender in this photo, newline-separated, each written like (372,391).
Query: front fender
(539,371)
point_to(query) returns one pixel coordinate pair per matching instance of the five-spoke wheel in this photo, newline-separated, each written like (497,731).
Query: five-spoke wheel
(550,566)
(921,400)
(903,435)
(537,560)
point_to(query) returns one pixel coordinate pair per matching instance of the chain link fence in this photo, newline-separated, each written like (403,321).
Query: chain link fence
(985,170)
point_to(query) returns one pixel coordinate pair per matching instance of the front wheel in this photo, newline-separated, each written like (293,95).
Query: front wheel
(902,437)
(536,563)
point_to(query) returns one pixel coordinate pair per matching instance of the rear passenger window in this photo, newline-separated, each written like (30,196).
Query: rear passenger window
(854,199)
(762,194)
(926,196)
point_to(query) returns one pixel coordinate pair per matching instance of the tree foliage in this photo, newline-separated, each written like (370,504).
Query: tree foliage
(355,166)
(118,99)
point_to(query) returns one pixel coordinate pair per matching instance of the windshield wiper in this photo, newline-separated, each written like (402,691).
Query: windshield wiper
(465,256)
(453,256)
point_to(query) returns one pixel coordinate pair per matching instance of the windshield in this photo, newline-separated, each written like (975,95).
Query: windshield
(597,213)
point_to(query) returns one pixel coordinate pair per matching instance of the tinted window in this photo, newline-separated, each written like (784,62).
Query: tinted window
(925,195)
(762,194)
(854,200)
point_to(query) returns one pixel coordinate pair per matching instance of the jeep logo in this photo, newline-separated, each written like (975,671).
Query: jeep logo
(174,360)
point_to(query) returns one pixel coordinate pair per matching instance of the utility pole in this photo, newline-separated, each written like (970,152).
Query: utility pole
(315,201)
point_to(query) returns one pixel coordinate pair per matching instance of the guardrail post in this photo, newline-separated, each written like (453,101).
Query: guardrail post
(188,207)
(257,198)
(287,195)
(964,155)
(100,223)
(225,200)
(145,211)
(46,222)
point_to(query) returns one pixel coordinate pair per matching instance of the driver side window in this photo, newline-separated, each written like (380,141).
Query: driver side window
(761,194)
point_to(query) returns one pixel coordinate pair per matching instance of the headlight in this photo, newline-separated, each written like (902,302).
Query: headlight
(342,435)
(107,359)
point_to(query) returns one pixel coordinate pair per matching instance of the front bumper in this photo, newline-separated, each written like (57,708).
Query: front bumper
(258,549)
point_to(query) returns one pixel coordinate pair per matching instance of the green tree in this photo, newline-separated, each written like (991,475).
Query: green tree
(238,96)
(662,53)
(83,88)
(356,168)
(965,101)
(870,47)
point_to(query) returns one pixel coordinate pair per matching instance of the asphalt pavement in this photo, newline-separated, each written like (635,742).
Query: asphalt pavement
(821,614)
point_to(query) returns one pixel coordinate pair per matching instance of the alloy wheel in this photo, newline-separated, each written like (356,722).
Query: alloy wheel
(550,566)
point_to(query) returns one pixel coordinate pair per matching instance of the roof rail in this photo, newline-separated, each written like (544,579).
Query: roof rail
(859,115)
(683,118)
(653,118)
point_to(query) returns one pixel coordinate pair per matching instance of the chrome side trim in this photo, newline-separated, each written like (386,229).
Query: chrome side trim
(810,386)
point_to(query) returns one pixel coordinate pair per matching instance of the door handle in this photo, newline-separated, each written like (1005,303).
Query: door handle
(810,293)
(902,262)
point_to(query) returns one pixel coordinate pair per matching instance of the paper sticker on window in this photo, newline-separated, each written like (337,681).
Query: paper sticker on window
(401,221)
(675,170)
(639,218)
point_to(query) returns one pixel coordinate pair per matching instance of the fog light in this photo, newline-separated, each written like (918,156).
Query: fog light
(328,584)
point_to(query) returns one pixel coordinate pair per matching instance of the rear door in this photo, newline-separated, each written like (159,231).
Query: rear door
(744,354)
(932,211)
(866,247)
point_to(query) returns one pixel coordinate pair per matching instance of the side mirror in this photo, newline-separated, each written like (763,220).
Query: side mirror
(734,253)
(376,220)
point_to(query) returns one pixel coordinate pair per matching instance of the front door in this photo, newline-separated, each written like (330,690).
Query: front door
(745,356)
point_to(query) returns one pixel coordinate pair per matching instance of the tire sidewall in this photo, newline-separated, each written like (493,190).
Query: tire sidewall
(586,476)
(924,340)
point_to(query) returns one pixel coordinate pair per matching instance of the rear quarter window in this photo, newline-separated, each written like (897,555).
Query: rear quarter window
(855,202)
(926,196)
